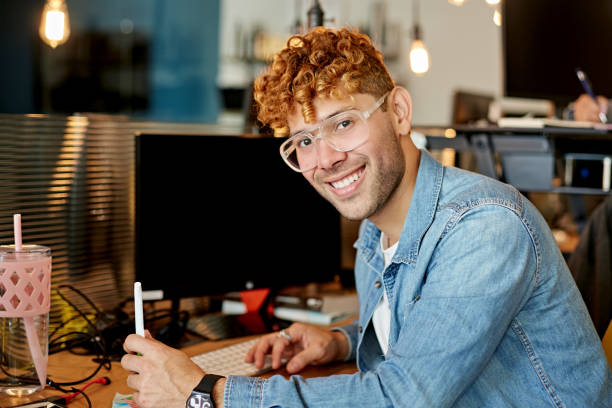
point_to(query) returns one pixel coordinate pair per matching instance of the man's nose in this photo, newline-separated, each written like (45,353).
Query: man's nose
(327,156)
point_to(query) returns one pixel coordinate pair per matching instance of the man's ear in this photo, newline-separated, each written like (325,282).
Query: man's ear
(400,106)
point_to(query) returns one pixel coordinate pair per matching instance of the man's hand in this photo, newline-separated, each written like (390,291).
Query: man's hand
(307,345)
(587,110)
(162,376)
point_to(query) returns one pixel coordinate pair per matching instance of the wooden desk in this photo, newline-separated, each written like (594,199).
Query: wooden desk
(64,367)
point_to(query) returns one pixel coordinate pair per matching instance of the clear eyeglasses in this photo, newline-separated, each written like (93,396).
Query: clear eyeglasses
(344,132)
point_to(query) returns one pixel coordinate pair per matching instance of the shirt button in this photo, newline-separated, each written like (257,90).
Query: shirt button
(360,329)
(377,284)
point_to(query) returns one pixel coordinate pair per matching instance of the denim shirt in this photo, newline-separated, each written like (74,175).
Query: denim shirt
(484,312)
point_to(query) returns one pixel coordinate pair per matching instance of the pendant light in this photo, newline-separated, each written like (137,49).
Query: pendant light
(54,25)
(419,56)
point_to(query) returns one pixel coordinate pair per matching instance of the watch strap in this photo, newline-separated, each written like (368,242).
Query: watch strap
(207,383)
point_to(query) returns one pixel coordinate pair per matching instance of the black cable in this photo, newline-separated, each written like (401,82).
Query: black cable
(84,316)
(62,325)
(92,304)
(71,390)
(93,326)
(157,315)
(80,339)
(84,395)
(68,343)
(103,362)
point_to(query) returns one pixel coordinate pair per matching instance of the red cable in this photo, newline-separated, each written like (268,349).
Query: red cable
(99,380)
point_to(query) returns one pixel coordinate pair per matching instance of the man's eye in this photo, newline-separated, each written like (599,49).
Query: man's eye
(303,142)
(344,124)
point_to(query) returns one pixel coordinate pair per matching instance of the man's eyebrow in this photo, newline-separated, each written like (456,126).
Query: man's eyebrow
(334,113)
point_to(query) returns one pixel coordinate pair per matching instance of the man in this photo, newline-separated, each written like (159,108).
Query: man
(465,299)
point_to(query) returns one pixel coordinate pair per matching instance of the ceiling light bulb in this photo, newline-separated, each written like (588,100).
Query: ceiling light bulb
(419,57)
(54,25)
(457,3)
(492,2)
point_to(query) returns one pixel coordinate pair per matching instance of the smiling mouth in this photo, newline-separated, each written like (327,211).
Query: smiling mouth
(348,180)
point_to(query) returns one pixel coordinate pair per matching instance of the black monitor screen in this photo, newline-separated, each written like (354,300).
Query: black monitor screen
(546,40)
(216,214)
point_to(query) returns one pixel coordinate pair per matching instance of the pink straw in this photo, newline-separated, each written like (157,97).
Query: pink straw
(17,230)
(30,328)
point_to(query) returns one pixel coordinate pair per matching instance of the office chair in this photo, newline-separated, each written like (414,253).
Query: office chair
(591,265)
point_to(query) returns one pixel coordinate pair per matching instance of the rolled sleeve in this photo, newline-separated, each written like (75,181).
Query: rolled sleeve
(243,391)
(351,332)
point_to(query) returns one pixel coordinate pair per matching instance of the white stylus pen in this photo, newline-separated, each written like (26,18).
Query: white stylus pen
(138,309)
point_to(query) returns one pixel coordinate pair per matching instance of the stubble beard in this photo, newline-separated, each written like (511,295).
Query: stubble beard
(383,176)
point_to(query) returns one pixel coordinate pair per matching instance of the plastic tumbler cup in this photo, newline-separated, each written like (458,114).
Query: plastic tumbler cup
(25,299)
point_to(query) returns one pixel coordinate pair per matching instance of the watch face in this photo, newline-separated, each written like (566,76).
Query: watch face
(199,400)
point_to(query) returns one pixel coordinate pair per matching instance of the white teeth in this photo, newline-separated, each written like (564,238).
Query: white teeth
(347,180)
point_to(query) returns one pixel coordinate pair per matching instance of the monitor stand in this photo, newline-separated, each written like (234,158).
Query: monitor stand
(173,332)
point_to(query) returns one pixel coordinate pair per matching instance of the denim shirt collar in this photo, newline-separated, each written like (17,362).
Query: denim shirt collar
(419,218)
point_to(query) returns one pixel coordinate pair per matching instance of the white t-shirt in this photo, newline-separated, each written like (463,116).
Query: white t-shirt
(381,319)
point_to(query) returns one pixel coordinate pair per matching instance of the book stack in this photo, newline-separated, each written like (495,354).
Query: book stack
(321,309)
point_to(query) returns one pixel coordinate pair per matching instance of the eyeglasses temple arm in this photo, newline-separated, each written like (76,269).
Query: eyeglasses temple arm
(379,102)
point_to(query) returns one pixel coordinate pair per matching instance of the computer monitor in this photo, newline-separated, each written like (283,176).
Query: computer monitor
(546,40)
(470,108)
(216,214)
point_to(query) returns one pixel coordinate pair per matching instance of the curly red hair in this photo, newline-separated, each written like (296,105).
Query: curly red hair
(326,63)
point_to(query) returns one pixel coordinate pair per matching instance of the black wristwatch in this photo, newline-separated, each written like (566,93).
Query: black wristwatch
(201,396)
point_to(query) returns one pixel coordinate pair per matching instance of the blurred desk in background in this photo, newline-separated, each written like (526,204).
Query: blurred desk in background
(547,159)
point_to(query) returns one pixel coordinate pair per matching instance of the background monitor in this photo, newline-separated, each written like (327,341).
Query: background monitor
(470,108)
(216,214)
(546,40)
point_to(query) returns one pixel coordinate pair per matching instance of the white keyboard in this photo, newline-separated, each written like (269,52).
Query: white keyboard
(230,360)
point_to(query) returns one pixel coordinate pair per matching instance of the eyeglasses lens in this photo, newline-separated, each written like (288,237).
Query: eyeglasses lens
(342,132)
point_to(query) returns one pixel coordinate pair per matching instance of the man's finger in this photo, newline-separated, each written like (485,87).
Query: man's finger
(133,343)
(132,362)
(251,353)
(307,356)
(277,352)
(138,344)
(133,381)
(262,348)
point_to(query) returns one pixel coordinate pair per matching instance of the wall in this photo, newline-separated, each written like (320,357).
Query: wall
(184,43)
(466,53)
(464,44)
